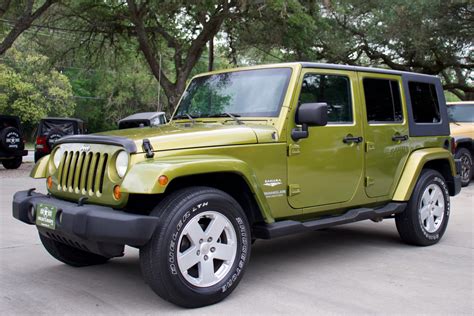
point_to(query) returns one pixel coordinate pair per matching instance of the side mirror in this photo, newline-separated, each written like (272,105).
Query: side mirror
(309,114)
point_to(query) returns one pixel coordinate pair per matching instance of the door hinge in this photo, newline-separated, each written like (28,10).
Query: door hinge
(294,189)
(369,146)
(369,181)
(293,149)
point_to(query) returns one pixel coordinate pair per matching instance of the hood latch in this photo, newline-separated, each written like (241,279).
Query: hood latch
(148,148)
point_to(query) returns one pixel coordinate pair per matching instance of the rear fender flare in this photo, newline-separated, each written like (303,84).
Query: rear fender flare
(415,163)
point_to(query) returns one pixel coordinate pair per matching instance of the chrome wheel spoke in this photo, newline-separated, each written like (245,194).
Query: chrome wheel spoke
(188,259)
(425,212)
(194,232)
(425,199)
(216,227)
(434,194)
(224,251)
(206,271)
(438,211)
(430,223)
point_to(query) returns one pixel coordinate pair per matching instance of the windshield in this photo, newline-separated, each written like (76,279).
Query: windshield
(461,113)
(241,93)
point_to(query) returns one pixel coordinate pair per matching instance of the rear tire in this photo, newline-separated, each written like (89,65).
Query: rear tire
(466,165)
(200,249)
(425,219)
(14,163)
(70,255)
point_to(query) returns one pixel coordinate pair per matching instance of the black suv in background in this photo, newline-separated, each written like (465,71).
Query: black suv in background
(51,129)
(12,145)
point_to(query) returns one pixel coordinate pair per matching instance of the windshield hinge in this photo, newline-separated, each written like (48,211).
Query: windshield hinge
(148,148)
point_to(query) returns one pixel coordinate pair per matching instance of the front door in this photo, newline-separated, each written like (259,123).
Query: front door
(327,167)
(386,132)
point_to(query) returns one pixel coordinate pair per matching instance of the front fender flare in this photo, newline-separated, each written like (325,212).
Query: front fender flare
(413,168)
(142,178)
(40,169)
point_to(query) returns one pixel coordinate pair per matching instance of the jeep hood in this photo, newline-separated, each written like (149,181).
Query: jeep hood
(182,136)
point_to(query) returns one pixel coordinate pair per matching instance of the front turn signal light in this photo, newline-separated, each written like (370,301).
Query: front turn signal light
(49,182)
(117,193)
(163,180)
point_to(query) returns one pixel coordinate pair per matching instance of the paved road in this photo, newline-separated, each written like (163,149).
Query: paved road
(361,268)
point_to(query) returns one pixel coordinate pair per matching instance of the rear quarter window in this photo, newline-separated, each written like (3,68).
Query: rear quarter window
(424,102)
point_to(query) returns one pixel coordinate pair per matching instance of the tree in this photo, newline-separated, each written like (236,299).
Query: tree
(161,30)
(432,37)
(20,14)
(31,90)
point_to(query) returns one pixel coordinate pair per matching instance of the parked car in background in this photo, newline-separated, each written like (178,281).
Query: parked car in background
(51,129)
(461,117)
(143,119)
(12,144)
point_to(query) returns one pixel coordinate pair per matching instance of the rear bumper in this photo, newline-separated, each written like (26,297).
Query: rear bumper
(95,228)
(457,178)
(13,154)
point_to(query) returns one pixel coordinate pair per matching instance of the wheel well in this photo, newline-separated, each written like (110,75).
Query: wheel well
(231,183)
(443,167)
(467,145)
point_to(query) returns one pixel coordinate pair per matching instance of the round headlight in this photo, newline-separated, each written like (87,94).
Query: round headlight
(121,163)
(57,157)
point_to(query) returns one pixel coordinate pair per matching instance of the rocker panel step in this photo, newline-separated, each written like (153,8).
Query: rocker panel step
(288,227)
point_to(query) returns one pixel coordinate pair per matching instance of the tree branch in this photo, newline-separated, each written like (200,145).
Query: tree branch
(23,23)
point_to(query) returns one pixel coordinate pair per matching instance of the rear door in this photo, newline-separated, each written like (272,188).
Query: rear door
(386,131)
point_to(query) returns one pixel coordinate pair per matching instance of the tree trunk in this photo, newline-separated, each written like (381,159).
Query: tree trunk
(211,54)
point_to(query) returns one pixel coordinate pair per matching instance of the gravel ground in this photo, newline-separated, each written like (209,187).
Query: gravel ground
(361,268)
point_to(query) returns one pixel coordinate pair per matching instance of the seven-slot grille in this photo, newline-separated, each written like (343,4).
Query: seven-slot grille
(81,172)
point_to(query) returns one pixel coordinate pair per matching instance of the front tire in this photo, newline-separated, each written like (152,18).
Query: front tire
(425,219)
(466,165)
(70,255)
(14,163)
(200,249)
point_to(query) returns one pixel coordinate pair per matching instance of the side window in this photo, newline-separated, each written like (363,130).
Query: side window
(382,100)
(424,102)
(334,90)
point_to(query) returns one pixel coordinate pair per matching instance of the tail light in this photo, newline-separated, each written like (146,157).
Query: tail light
(453,146)
(41,144)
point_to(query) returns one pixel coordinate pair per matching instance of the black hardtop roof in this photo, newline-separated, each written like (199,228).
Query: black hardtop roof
(360,68)
(62,119)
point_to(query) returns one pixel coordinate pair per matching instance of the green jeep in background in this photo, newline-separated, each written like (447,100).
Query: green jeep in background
(251,153)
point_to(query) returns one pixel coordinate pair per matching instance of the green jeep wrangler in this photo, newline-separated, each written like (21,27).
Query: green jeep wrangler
(257,152)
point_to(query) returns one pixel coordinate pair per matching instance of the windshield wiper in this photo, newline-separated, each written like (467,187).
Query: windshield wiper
(227,114)
(183,116)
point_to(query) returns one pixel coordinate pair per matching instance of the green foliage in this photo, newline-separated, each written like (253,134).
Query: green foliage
(32,90)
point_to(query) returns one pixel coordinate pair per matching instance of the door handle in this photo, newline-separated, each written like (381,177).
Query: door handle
(352,139)
(399,138)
